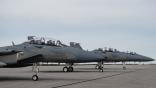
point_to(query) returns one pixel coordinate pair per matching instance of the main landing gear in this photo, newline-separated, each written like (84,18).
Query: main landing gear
(100,66)
(68,68)
(35,69)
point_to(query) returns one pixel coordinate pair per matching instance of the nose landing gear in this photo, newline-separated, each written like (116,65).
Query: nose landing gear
(36,70)
(34,77)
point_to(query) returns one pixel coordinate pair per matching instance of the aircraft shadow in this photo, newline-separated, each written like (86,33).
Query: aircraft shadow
(18,79)
(65,72)
(6,78)
(96,71)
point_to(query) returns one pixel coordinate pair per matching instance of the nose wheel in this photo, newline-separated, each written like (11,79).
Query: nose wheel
(35,78)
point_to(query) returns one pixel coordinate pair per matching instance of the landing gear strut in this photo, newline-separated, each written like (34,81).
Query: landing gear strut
(100,66)
(36,70)
(124,66)
(68,68)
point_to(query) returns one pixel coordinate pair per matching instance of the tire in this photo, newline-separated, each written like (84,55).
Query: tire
(65,69)
(35,78)
(70,69)
(100,68)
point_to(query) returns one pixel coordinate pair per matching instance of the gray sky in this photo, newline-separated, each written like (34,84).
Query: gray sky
(122,24)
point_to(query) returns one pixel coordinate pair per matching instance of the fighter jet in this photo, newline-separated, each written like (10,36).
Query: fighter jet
(113,55)
(36,50)
(82,57)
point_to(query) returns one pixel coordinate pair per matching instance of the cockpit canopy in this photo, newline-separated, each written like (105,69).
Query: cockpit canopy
(50,42)
(105,50)
(45,41)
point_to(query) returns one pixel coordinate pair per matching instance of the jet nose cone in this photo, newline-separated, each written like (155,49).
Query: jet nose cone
(150,59)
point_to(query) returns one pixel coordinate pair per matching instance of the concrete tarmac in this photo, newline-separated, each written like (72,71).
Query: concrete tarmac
(136,76)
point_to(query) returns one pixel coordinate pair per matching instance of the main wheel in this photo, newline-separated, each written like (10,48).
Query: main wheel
(70,69)
(34,77)
(100,68)
(65,69)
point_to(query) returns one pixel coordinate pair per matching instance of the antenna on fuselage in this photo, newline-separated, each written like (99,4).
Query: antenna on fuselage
(13,43)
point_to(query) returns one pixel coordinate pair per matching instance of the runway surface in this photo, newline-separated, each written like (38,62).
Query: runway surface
(136,76)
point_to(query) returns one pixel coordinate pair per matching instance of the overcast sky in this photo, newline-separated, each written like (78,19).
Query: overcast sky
(128,25)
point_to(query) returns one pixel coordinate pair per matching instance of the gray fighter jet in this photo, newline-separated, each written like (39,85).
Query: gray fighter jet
(37,50)
(113,55)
